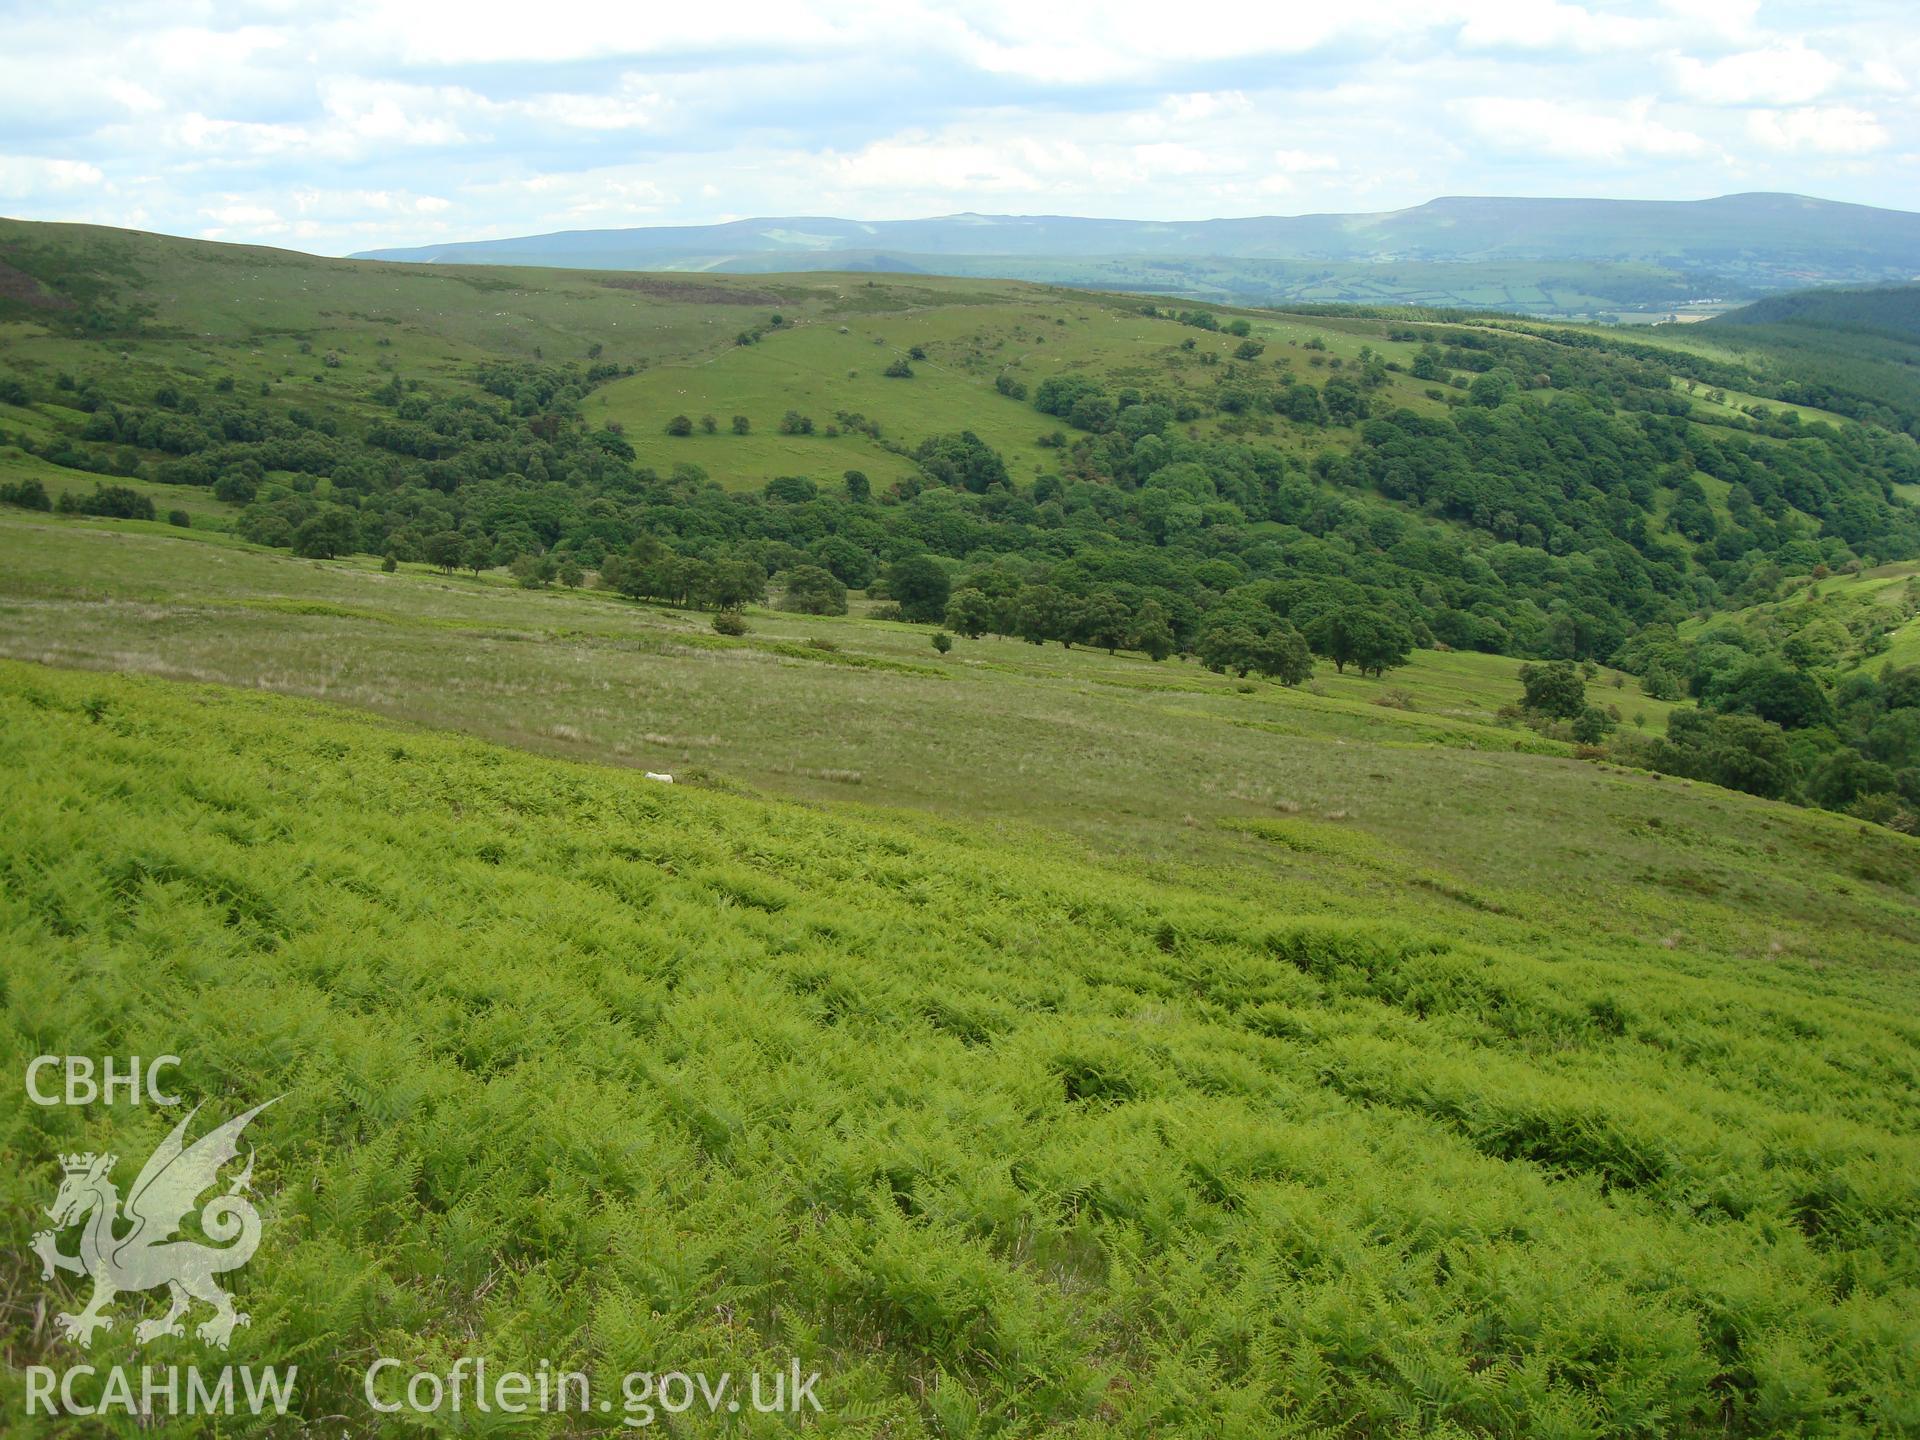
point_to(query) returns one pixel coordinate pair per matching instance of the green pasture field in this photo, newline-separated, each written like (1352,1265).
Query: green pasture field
(204,510)
(1739,401)
(1886,587)
(826,365)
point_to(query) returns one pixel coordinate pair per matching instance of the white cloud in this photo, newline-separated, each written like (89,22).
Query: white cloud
(355,118)
(1205,105)
(1824,130)
(1167,159)
(1883,75)
(134,97)
(1304,160)
(368,122)
(361,113)
(388,202)
(1547,127)
(922,164)
(458,32)
(1780,75)
(1532,25)
(259,218)
(199,133)
(631,108)
(24,175)
(1730,22)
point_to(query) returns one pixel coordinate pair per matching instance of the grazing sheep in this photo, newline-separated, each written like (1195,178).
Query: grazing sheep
(656,775)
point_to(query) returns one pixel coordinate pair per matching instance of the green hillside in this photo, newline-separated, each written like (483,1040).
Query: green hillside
(1857,351)
(1234,878)
(1890,312)
(1818,354)
(1495,489)
(1267,491)
(586,1068)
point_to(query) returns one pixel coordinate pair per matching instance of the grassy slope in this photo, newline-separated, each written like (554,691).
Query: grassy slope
(590,1069)
(1860,341)
(1155,763)
(271,317)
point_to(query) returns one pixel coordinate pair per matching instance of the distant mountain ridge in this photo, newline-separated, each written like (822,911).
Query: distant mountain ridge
(1452,228)
(1568,257)
(1791,239)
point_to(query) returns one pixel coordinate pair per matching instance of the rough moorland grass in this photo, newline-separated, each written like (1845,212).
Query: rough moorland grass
(629,1077)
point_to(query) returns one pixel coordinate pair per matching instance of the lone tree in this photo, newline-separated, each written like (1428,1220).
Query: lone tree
(1228,645)
(445,550)
(1151,634)
(970,612)
(920,587)
(791,489)
(326,535)
(851,565)
(679,425)
(1283,654)
(1554,688)
(812,590)
(1371,642)
(1248,641)
(1102,621)
(741,425)
(1040,614)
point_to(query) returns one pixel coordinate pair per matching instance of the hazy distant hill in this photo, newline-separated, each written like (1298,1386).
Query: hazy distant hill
(1531,255)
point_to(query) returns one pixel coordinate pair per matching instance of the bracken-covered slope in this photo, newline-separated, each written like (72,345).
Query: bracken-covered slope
(585,1069)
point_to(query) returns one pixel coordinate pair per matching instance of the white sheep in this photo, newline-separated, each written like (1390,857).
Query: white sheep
(656,775)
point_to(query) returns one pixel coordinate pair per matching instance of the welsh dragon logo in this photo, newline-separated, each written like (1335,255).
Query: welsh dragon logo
(148,1255)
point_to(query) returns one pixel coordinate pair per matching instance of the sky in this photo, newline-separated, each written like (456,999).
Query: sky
(344,127)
